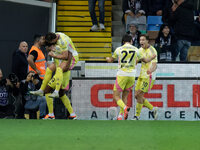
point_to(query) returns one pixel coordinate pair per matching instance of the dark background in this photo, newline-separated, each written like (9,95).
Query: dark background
(19,22)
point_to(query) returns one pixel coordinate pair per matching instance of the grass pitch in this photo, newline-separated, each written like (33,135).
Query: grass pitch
(99,135)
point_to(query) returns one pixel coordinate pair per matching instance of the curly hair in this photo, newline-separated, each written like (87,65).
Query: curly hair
(49,37)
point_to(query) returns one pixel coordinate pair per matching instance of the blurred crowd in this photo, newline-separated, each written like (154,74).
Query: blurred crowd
(179,27)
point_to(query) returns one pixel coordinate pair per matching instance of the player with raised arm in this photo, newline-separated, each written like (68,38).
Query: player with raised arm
(60,46)
(127,58)
(147,77)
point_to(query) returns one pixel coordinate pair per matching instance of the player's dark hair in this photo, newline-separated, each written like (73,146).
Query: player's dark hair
(37,37)
(126,38)
(145,35)
(49,37)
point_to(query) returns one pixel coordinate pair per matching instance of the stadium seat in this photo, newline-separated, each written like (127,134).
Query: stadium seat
(154,23)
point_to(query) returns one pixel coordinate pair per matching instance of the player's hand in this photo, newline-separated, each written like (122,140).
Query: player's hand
(51,53)
(153,56)
(108,59)
(149,72)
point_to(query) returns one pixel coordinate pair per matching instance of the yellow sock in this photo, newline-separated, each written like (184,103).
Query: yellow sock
(138,109)
(121,111)
(67,103)
(59,78)
(121,104)
(49,103)
(47,78)
(148,105)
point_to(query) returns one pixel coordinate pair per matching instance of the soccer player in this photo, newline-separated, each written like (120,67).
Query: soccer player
(60,46)
(66,66)
(147,77)
(127,57)
(50,88)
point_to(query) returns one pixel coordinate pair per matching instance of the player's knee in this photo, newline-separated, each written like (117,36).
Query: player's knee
(48,89)
(137,95)
(52,67)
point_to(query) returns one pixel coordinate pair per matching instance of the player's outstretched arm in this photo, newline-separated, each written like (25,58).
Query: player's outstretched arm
(146,60)
(109,59)
(63,55)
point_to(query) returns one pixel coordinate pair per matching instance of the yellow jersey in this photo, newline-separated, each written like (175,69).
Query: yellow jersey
(146,53)
(127,56)
(65,43)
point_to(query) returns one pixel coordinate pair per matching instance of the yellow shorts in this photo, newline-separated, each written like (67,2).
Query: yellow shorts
(144,84)
(124,83)
(66,76)
(74,61)
(65,83)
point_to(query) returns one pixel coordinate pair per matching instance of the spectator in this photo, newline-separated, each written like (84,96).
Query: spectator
(165,43)
(134,11)
(133,8)
(6,106)
(10,97)
(36,58)
(19,61)
(92,4)
(155,7)
(182,20)
(197,28)
(167,11)
(16,95)
(135,34)
(33,102)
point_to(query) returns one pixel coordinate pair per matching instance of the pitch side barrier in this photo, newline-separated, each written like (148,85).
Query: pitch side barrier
(176,92)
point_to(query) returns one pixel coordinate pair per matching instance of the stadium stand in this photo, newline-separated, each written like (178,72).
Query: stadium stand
(140,21)
(154,23)
(153,27)
(73,19)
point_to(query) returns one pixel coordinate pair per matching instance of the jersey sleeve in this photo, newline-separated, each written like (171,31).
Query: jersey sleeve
(70,46)
(116,53)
